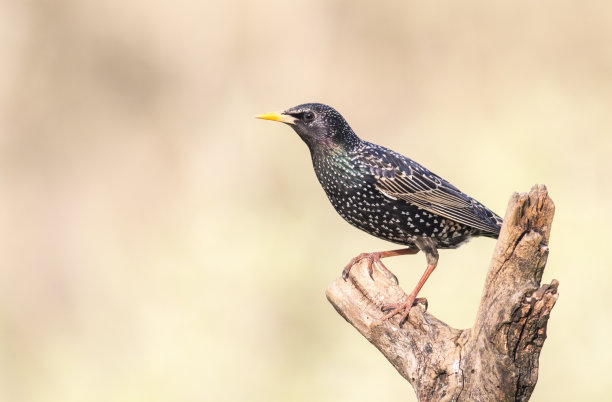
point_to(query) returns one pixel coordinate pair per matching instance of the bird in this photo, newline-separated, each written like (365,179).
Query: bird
(387,195)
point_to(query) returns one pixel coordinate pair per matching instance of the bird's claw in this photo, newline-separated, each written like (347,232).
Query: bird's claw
(373,258)
(404,308)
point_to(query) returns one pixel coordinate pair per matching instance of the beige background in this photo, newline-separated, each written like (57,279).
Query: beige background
(157,243)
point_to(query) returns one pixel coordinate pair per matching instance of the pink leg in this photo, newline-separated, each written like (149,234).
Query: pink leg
(405,306)
(375,258)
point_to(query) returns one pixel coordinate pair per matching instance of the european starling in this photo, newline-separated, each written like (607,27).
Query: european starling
(387,195)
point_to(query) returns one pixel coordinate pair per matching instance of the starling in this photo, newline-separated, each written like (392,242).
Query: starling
(387,195)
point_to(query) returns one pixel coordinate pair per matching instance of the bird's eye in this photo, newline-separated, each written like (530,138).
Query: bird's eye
(308,117)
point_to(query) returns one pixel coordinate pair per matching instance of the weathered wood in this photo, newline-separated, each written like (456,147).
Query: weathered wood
(495,360)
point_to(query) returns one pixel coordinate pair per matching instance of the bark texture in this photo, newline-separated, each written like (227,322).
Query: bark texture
(496,359)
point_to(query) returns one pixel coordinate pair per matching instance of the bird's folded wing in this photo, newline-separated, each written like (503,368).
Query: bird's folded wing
(412,183)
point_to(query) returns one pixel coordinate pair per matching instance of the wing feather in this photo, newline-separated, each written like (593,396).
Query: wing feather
(399,177)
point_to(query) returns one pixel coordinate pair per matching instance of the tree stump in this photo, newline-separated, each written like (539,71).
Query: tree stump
(496,359)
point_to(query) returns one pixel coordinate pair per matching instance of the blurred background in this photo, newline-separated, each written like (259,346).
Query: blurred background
(157,243)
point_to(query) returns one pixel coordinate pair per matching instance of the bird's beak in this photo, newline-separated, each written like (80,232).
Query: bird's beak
(283,118)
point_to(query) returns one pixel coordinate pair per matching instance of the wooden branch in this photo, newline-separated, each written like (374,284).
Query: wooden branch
(495,360)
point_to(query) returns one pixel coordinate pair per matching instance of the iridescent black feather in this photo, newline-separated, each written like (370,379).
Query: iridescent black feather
(384,193)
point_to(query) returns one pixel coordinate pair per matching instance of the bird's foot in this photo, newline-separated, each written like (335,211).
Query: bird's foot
(373,258)
(403,308)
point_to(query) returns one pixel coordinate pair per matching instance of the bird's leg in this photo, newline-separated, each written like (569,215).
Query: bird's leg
(431,252)
(375,258)
(412,299)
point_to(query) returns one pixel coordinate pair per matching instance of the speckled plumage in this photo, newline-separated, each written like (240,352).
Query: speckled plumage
(371,187)
(384,193)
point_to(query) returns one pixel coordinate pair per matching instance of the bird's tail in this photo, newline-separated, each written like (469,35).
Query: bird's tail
(488,234)
(495,225)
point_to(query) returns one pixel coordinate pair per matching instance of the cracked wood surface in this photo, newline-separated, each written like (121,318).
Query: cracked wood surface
(496,359)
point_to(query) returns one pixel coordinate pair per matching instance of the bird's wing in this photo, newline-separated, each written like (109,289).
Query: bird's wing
(399,177)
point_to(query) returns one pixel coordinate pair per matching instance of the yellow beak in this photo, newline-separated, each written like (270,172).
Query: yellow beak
(283,118)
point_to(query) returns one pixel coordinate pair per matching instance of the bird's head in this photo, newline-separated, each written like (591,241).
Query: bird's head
(320,126)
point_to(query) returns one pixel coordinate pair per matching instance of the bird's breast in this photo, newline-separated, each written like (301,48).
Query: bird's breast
(360,203)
